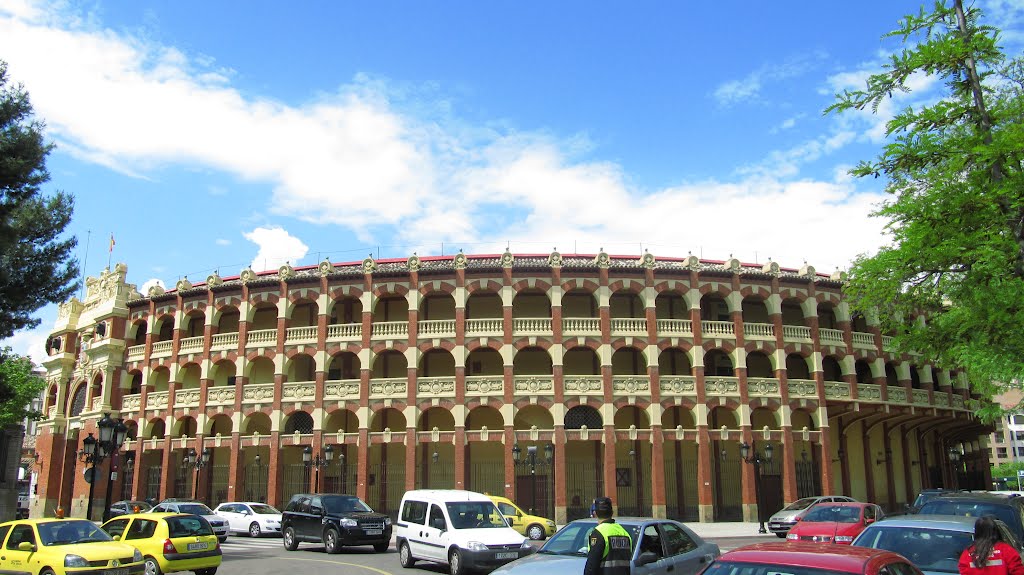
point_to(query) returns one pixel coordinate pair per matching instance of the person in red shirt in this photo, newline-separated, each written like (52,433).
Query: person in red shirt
(989,555)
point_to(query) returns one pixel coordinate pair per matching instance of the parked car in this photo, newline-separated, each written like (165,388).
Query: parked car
(660,547)
(932,542)
(248,517)
(169,542)
(217,523)
(334,520)
(461,529)
(64,547)
(789,558)
(835,522)
(532,526)
(1007,508)
(126,507)
(925,496)
(782,521)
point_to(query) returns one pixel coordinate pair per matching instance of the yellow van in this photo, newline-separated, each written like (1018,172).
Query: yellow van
(534,527)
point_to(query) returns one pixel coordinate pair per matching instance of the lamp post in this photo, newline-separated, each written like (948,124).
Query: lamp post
(531,461)
(197,461)
(317,462)
(756,460)
(955,456)
(94,451)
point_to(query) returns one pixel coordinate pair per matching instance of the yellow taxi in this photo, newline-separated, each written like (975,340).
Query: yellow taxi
(52,546)
(532,526)
(169,542)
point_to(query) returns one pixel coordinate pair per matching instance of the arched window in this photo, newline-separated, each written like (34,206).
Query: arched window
(582,415)
(78,401)
(301,422)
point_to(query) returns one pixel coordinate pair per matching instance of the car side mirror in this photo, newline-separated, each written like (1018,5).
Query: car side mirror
(646,558)
(246,512)
(26,546)
(116,537)
(868,521)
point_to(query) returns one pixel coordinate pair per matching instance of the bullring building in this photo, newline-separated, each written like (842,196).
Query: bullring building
(548,378)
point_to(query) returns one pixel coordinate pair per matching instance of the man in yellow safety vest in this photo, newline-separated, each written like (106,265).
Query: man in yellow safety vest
(611,547)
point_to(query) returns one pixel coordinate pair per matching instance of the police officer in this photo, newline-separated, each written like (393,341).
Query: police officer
(610,544)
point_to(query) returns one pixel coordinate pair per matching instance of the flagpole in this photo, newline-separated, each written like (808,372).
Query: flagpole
(110,252)
(85,261)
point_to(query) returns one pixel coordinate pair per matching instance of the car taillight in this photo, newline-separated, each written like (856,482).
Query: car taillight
(169,547)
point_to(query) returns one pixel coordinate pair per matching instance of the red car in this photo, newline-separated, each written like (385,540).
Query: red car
(780,558)
(835,522)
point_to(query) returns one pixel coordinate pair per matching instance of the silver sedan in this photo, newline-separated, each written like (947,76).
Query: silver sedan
(660,546)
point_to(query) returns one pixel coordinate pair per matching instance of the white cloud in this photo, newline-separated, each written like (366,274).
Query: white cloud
(276,247)
(749,87)
(223,242)
(144,290)
(31,342)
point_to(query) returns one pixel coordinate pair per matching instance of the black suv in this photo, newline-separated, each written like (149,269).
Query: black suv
(1007,508)
(335,521)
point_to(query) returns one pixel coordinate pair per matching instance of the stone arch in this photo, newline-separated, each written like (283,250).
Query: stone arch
(391,307)
(484,361)
(801,418)
(223,373)
(484,416)
(387,417)
(714,306)
(436,362)
(263,315)
(759,364)
(670,304)
(762,416)
(797,367)
(136,332)
(583,415)
(298,422)
(344,365)
(674,361)
(629,415)
(827,316)
(300,367)
(533,415)
(219,424)
(346,309)
(436,304)
(438,417)
(185,426)
(260,370)
(793,311)
(226,319)
(342,421)
(189,376)
(581,360)
(164,328)
(676,416)
(484,304)
(863,370)
(531,303)
(627,303)
(720,416)
(754,309)
(78,400)
(155,428)
(832,369)
(304,311)
(718,363)
(256,421)
(193,324)
(629,361)
(390,363)
(532,361)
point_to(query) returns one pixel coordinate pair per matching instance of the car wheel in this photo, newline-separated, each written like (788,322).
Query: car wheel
(535,532)
(780,535)
(331,541)
(455,566)
(254,529)
(405,555)
(210,571)
(382,546)
(222,538)
(290,542)
(152,567)
(46,572)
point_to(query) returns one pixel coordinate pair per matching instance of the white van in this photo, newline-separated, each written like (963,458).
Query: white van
(461,529)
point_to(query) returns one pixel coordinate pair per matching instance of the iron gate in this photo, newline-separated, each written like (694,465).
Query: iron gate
(436,476)
(808,479)
(341,478)
(217,488)
(295,479)
(681,498)
(154,475)
(256,477)
(127,479)
(727,486)
(585,481)
(632,486)
(183,482)
(386,485)
(487,478)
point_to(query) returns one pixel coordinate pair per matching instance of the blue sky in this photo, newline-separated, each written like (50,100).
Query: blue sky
(216,135)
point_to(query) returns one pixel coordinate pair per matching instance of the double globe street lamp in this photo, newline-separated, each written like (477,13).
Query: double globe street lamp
(197,461)
(317,462)
(756,459)
(532,462)
(112,435)
(955,457)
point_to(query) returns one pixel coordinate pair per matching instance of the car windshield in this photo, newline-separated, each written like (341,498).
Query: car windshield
(801,504)
(929,549)
(195,509)
(923,498)
(720,567)
(346,504)
(572,539)
(265,510)
(475,515)
(833,514)
(1004,513)
(70,532)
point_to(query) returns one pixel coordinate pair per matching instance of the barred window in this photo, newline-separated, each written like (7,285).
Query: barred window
(582,415)
(78,401)
(300,421)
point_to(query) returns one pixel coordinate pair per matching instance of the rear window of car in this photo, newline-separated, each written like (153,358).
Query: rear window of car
(1005,513)
(195,509)
(801,504)
(188,526)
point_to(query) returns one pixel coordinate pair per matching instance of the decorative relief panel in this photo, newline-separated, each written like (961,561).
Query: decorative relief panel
(258,393)
(837,389)
(441,386)
(531,384)
(157,400)
(305,391)
(897,394)
(186,397)
(389,387)
(763,386)
(921,397)
(583,383)
(631,385)
(802,388)
(677,385)
(342,389)
(220,395)
(722,385)
(957,401)
(485,385)
(131,402)
(869,392)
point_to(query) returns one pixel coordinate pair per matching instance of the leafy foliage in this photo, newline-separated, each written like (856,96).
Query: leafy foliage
(36,264)
(956,207)
(18,387)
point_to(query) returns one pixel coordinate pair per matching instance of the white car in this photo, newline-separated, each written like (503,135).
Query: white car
(250,517)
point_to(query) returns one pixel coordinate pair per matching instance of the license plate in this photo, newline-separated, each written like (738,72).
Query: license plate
(121,571)
(198,546)
(374,531)
(511,555)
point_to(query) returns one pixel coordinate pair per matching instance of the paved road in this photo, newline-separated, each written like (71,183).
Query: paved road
(266,556)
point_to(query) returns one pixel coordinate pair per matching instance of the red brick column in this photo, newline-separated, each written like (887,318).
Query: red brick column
(274,483)
(561,479)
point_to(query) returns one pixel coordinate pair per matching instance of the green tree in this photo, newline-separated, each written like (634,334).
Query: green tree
(36,263)
(18,387)
(956,208)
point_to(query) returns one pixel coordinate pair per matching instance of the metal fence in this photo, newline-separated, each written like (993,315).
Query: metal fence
(632,485)
(727,487)
(127,478)
(486,477)
(338,478)
(681,497)
(256,479)
(436,476)
(217,488)
(151,488)
(183,482)
(386,485)
(808,479)
(584,481)
(295,479)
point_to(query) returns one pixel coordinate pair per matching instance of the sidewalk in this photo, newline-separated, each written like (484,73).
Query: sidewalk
(727,529)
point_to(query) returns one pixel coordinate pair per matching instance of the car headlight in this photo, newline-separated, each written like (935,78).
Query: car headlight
(844,539)
(273,521)
(75,561)
(551,523)
(526,544)
(387,521)
(476,546)
(792,536)
(346,522)
(137,556)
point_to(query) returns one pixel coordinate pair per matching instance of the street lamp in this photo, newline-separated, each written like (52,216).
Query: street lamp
(112,433)
(955,456)
(317,462)
(197,461)
(531,460)
(756,460)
